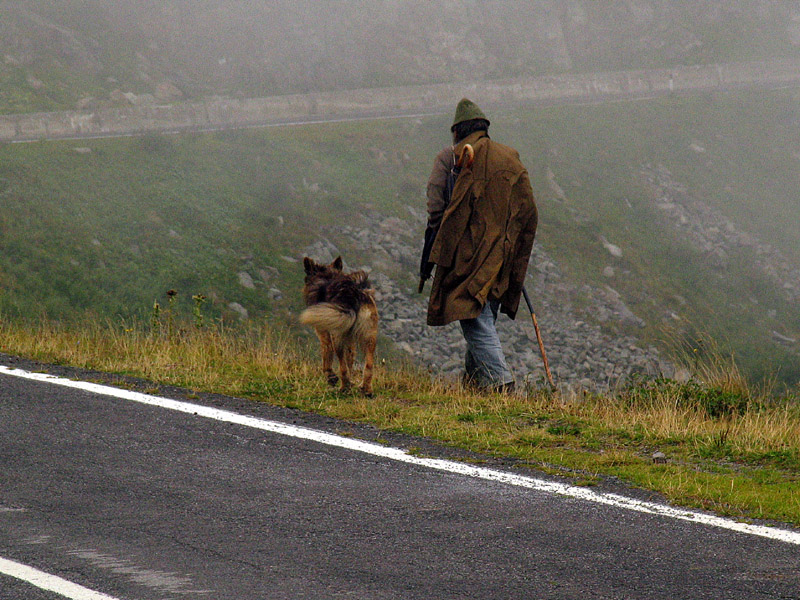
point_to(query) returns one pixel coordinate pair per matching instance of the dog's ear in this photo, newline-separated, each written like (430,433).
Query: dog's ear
(308,265)
(337,264)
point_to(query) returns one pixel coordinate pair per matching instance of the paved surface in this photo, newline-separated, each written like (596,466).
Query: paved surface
(142,503)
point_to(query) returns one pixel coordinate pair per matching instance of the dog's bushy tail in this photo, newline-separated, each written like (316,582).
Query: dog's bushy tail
(328,317)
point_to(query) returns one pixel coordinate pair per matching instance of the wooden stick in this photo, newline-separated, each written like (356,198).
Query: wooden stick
(539,339)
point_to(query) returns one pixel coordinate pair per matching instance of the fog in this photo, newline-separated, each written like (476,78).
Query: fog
(90,54)
(262,48)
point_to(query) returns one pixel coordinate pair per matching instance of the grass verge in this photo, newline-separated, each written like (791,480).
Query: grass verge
(729,449)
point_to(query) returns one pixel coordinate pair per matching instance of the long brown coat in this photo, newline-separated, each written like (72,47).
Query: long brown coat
(486,235)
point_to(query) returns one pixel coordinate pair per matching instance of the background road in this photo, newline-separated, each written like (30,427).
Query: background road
(215,114)
(139,502)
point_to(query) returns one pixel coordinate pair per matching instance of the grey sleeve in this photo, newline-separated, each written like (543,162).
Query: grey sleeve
(436,184)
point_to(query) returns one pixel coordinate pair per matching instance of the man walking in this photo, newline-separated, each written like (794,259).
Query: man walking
(484,241)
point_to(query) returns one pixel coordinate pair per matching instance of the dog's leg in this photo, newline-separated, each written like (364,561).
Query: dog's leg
(351,356)
(368,343)
(327,356)
(369,363)
(344,369)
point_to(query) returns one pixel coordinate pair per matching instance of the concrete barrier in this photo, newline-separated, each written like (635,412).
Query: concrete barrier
(229,112)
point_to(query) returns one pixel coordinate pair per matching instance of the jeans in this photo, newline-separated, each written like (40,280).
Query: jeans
(485,363)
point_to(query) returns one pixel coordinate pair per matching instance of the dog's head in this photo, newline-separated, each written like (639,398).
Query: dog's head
(314,269)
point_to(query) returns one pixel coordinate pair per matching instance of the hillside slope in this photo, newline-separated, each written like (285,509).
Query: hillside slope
(660,221)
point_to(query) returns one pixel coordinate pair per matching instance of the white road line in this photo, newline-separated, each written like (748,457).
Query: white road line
(399,455)
(48,582)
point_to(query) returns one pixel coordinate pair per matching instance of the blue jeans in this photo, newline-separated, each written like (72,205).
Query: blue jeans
(485,363)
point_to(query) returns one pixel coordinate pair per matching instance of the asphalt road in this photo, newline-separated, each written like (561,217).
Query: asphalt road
(139,503)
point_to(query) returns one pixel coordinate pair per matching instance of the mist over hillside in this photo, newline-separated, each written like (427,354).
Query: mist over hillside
(83,53)
(673,217)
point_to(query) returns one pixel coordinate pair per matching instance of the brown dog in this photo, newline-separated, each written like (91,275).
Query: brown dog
(342,311)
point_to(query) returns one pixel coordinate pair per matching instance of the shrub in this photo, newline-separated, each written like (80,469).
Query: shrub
(715,400)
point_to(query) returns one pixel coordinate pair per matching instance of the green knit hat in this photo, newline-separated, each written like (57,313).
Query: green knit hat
(466,111)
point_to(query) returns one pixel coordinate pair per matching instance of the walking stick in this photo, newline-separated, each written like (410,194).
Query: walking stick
(538,338)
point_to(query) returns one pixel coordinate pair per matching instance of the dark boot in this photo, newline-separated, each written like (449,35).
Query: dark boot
(506,388)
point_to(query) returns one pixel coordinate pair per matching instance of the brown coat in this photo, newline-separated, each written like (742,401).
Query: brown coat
(485,237)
